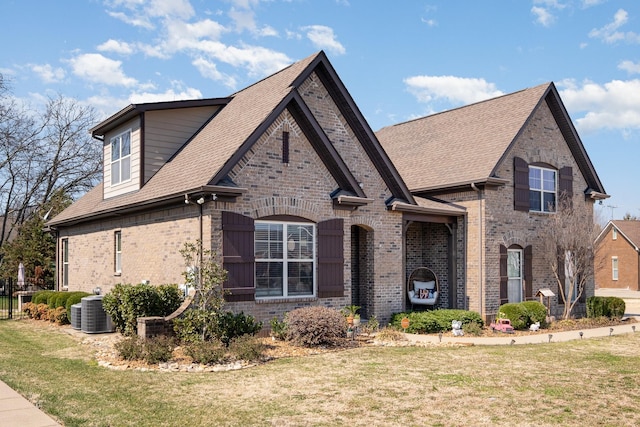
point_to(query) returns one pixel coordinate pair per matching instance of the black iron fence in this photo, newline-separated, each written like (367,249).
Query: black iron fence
(10,300)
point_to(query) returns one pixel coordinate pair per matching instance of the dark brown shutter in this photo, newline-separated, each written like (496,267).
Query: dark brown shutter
(520,185)
(504,278)
(561,276)
(331,258)
(565,184)
(238,256)
(528,272)
(583,295)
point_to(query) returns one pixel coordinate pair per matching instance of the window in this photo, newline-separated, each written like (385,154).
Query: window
(514,273)
(542,189)
(285,259)
(614,233)
(118,252)
(614,267)
(65,263)
(121,158)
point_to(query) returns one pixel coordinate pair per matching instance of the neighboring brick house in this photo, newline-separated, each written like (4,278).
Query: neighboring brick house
(283,180)
(504,160)
(617,260)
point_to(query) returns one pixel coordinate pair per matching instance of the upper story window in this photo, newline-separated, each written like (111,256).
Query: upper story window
(65,263)
(284,259)
(121,158)
(614,267)
(542,189)
(614,233)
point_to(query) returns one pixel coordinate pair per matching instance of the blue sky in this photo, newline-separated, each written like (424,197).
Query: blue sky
(398,59)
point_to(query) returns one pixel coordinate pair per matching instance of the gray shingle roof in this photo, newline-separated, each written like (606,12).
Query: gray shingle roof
(630,229)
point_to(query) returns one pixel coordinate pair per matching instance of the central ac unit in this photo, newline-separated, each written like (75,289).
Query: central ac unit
(94,319)
(76,319)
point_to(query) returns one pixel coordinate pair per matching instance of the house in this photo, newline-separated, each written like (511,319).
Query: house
(507,161)
(284,181)
(618,255)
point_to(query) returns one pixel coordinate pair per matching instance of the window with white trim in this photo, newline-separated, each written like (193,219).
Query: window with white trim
(614,267)
(65,263)
(514,272)
(121,158)
(117,241)
(614,233)
(542,189)
(284,259)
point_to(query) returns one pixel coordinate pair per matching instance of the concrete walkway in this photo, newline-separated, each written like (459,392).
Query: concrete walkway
(17,411)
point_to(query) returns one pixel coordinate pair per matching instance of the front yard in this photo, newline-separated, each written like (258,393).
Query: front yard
(586,382)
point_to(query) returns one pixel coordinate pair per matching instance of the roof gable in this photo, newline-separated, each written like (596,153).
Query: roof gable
(630,230)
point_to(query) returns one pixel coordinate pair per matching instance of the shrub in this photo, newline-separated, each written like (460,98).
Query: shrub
(51,299)
(390,334)
(536,312)
(195,325)
(205,352)
(611,307)
(29,309)
(125,303)
(59,315)
(472,328)
(246,347)
(313,326)
(230,326)
(61,299)
(130,348)
(41,312)
(371,326)
(74,298)
(434,321)
(516,313)
(278,329)
(152,350)
(40,297)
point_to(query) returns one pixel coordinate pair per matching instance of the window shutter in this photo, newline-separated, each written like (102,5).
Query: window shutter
(565,184)
(331,258)
(520,184)
(238,256)
(561,276)
(528,272)
(583,295)
(504,278)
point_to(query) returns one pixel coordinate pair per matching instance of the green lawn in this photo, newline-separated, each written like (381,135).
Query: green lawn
(579,383)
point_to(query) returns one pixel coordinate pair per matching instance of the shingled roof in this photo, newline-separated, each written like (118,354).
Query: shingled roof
(204,161)
(630,230)
(455,148)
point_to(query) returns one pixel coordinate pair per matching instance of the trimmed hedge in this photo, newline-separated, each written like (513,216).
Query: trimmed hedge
(41,297)
(611,307)
(74,298)
(524,314)
(434,321)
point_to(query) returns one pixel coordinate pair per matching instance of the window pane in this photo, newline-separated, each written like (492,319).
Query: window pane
(126,144)
(514,290)
(513,264)
(115,173)
(535,180)
(115,149)
(534,201)
(126,168)
(549,180)
(269,279)
(300,278)
(549,202)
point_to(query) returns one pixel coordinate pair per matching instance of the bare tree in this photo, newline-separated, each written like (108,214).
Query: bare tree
(568,240)
(41,154)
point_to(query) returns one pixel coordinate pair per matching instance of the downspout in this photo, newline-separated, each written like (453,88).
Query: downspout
(480,280)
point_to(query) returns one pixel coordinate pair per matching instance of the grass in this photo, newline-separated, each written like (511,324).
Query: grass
(578,383)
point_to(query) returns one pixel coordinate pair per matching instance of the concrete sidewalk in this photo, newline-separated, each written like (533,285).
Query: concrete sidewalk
(17,411)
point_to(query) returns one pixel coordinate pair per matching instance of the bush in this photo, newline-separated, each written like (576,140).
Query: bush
(314,326)
(198,325)
(125,303)
(247,347)
(230,326)
(29,309)
(40,297)
(278,329)
(61,299)
(516,313)
(74,298)
(610,307)
(152,350)
(205,352)
(130,348)
(51,299)
(536,312)
(434,321)
(41,312)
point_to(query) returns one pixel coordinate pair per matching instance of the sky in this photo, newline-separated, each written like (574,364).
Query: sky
(399,60)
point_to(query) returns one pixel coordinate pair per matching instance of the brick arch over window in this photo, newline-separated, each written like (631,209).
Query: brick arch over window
(521,183)
(270,206)
(239,257)
(527,272)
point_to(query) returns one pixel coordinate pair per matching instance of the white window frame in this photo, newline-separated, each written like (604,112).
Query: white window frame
(65,262)
(514,293)
(614,233)
(119,161)
(288,247)
(117,245)
(615,272)
(541,189)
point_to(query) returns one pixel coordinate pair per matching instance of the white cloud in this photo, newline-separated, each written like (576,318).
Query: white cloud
(209,70)
(630,67)
(610,32)
(456,90)
(142,22)
(614,105)
(169,95)
(323,37)
(96,68)
(259,61)
(429,22)
(590,3)
(116,46)
(47,73)
(543,16)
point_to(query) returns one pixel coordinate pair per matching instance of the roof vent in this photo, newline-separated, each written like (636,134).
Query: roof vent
(94,319)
